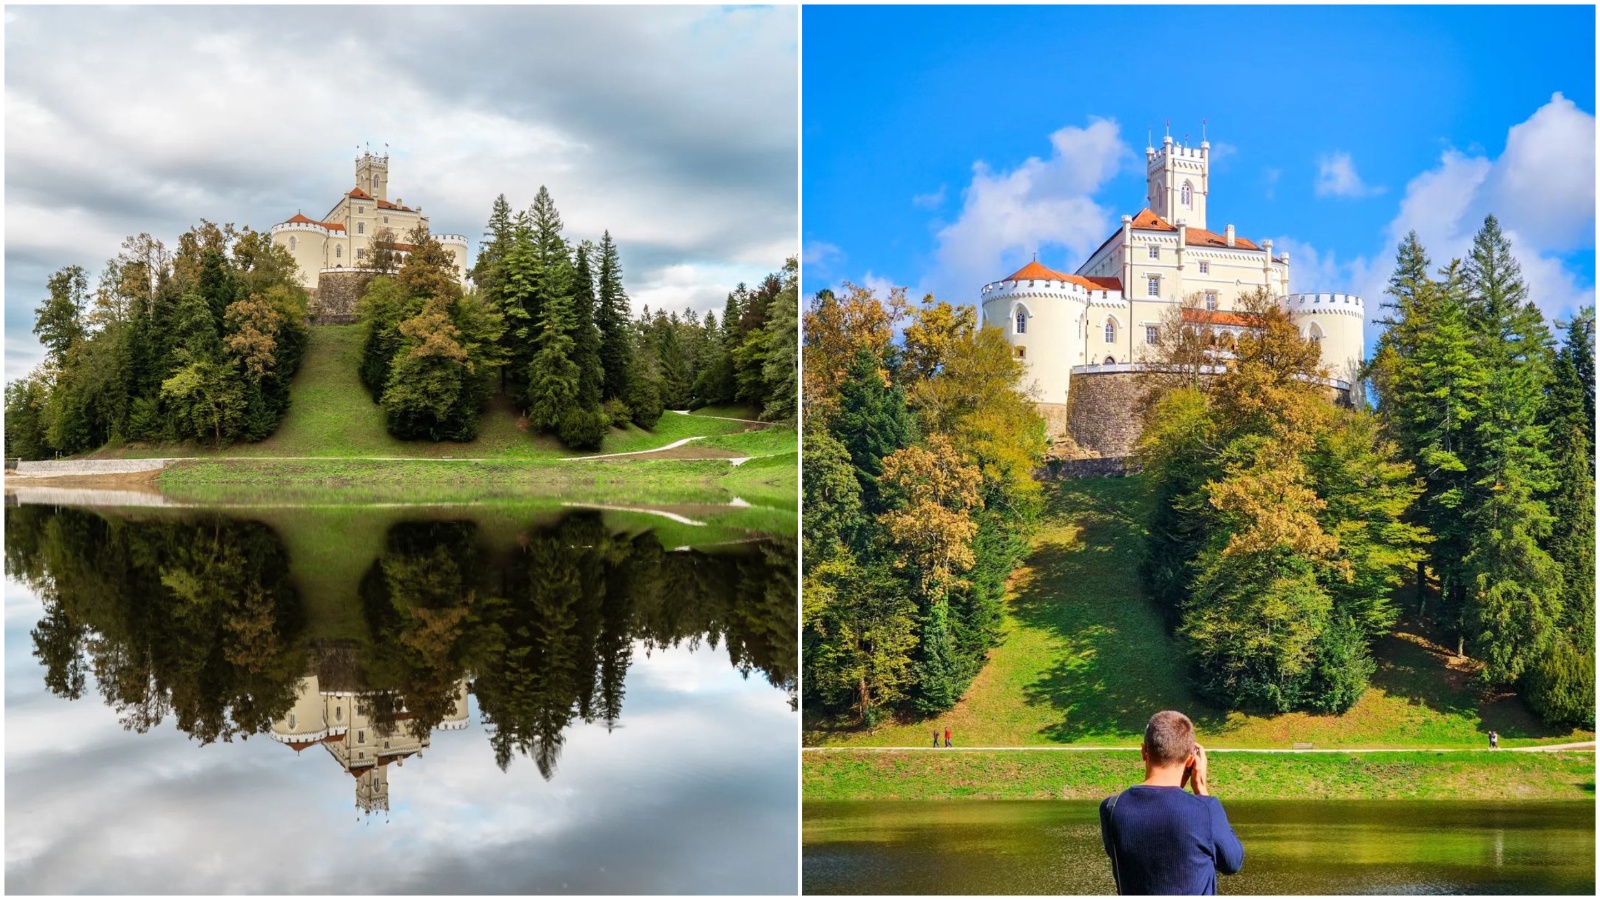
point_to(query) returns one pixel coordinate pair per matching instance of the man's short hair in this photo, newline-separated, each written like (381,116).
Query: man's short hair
(1169,738)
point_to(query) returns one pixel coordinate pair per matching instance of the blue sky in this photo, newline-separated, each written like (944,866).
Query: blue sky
(944,145)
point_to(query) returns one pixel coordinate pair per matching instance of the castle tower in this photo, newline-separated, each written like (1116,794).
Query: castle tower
(372,174)
(1179,181)
(372,789)
(1335,322)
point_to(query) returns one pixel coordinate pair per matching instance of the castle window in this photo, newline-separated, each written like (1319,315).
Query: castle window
(361,228)
(291,243)
(1111,331)
(338,714)
(1211,300)
(361,736)
(385,220)
(1205,267)
(1315,334)
(1155,285)
(361,209)
(361,253)
(1151,333)
(1155,252)
(1022,321)
(1019,352)
(1111,360)
(1188,194)
(291,721)
(338,251)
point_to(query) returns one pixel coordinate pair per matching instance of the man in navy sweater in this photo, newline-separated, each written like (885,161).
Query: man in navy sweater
(1162,840)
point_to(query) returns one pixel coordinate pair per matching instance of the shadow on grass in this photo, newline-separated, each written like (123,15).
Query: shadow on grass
(1414,667)
(1116,664)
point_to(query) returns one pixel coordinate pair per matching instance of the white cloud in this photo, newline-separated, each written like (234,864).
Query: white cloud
(930,201)
(1541,188)
(1007,215)
(819,253)
(1337,177)
(1271,176)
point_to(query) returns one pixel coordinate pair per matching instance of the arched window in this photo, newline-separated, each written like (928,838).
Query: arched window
(1111,360)
(338,251)
(1022,321)
(1188,194)
(291,721)
(291,243)
(1111,331)
(1211,300)
(1314,333)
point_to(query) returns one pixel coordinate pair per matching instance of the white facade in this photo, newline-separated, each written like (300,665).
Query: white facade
(1107,312)
(343,239)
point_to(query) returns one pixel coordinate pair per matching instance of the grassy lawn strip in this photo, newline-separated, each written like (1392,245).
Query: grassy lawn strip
(1086,659)
(1091,775)
(249,482)
(760,442)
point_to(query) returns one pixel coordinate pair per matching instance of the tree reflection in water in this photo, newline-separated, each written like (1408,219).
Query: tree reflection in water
(198,617)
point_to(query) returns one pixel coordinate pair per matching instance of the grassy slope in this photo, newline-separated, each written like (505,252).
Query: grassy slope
(1045,775)
(1086,660)
(331,414)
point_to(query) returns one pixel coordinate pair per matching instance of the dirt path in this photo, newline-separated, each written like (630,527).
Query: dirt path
(1579,747)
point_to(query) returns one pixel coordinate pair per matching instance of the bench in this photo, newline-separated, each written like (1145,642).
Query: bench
(1302,745)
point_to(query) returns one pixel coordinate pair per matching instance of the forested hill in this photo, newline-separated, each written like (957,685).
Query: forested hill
(197,348)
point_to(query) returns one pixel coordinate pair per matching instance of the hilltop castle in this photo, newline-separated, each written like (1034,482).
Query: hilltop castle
(334,252)
(1085,335)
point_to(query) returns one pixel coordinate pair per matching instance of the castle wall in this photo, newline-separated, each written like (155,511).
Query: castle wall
(1101,412)
(336,296)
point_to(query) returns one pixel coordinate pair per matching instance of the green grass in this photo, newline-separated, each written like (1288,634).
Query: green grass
(1086,660)
(331,414)
(282,482)
(757,442)
(1089,774)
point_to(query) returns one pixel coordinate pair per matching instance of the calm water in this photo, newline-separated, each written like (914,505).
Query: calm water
(1376,847)
(339,701)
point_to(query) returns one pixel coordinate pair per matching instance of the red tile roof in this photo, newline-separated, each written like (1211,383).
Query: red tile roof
(1221,317)
(1199,237)
(359,194)
(384,204)
(300,218)
(1147,220)
(1033,271)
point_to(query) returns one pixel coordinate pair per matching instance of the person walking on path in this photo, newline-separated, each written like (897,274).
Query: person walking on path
(1494,740)
(936,739)
(1162,840)
(947,737)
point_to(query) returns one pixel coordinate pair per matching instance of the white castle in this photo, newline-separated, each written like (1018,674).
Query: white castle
(1105,317)
(343,240)
(338,721)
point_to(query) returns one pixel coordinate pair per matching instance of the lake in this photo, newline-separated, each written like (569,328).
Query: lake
(1316,847)
(398,700)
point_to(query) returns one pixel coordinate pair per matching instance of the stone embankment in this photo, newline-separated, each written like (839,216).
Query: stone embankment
(55,468)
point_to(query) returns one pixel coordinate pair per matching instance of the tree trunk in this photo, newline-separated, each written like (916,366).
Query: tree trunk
(1422,589)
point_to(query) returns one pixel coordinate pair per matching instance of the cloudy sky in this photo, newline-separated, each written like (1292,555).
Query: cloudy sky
(673,127)
(971,138)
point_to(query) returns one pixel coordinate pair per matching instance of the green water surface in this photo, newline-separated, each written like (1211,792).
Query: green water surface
(1316,847)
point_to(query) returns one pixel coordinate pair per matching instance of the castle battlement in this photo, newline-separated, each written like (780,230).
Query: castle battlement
(451,239)
(1343,304)
(299,226)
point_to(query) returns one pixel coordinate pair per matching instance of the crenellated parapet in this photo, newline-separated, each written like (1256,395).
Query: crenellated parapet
(458,239)
(309,227)
(1324,303)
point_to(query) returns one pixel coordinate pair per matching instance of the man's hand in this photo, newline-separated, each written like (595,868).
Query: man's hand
(1197,774)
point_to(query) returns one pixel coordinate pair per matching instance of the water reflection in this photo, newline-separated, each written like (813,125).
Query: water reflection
(204,619)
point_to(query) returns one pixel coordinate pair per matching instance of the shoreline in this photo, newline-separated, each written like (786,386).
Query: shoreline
(869,776)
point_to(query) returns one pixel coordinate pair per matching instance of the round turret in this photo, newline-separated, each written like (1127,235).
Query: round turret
(1335,321)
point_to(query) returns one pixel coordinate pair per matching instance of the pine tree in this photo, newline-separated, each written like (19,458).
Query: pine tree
(585,336)
(552,375)
(780,372)
(499,235)
(518,285)
(1513,597)
(612,317)
(872,423)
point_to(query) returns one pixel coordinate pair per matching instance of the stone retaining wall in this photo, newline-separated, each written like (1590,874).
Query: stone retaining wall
(334,301)
(1102,467)
(51,467)
(1101,412)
